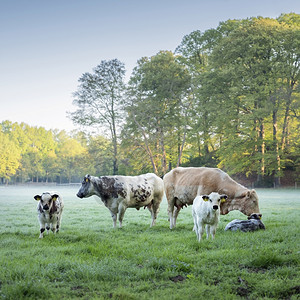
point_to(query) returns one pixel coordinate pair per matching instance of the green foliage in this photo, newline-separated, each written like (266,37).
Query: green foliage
(159,98)
(35,154)
(9,156)
(98,100)
(89,259)
(228,97)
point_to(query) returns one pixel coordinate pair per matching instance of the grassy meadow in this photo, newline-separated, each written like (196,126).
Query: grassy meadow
(89,259)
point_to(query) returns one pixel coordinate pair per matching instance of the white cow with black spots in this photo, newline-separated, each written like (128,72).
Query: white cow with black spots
(49,208)
(206,211)
(253,223)
(121,192)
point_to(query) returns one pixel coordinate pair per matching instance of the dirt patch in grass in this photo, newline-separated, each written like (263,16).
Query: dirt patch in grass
(177,278)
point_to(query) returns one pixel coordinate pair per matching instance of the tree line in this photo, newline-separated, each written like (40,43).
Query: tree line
(34,154)
(227,97)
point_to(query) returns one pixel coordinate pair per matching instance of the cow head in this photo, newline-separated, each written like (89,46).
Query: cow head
(215,200)
(248,202)
(245,201)
(46,200)
(255,217)
(87,188)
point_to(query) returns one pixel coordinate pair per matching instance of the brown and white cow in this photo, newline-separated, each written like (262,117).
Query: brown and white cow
(121,192)
(182,185)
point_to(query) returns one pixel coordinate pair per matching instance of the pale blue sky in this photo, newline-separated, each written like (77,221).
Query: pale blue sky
(45,46)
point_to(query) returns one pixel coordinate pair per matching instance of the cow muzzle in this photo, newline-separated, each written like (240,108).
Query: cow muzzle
(79,195)
(46,207)
(215,207)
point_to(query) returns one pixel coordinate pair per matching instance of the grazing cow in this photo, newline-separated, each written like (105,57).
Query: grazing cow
(253,223)
(183,184)
(120,192)
(206,211)
(49,208)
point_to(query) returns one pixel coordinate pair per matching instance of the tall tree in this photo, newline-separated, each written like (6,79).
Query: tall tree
(259,63)
(98,98)
(158,101)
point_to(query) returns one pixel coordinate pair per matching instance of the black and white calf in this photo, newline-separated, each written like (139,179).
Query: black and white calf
(121,192)
(253,223)
(49,208)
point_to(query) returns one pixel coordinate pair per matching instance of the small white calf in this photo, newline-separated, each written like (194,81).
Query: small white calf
(49,208)
(206,211)
(253,223)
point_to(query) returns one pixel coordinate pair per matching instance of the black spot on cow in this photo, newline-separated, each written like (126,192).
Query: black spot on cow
(54,208)
(110,188)
(141,194)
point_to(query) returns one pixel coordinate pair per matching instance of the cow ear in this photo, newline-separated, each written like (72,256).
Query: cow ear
(223,198)
(259,215)
(54,197)
(37,197)
(87,178)
(205,197)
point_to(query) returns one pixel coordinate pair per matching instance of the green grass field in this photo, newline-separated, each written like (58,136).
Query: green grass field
(89,259)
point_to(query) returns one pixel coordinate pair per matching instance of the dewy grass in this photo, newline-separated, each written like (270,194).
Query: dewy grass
(89,259)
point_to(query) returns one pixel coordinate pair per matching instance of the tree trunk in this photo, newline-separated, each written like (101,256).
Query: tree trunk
(181,148)
(276,145)
(262,148)
(146,144)
(164,156)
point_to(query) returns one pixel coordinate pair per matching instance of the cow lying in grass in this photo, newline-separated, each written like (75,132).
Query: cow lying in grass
(253,223)
(49,208)
(206,211)
(121,192)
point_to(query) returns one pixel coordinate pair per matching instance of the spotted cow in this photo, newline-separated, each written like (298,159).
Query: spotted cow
(253,223)
(121,192)
(49,209)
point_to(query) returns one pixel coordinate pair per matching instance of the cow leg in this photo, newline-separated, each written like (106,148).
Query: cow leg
(195,228)
(121,211)
(58,223)
(175,215)
(213,229)
(207,231)
(154,209)
(114,217)
(171,212)
(47,227)
(195,222)
(200,231)
(59,220)
(151,209)
(42,229)
(53,226)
